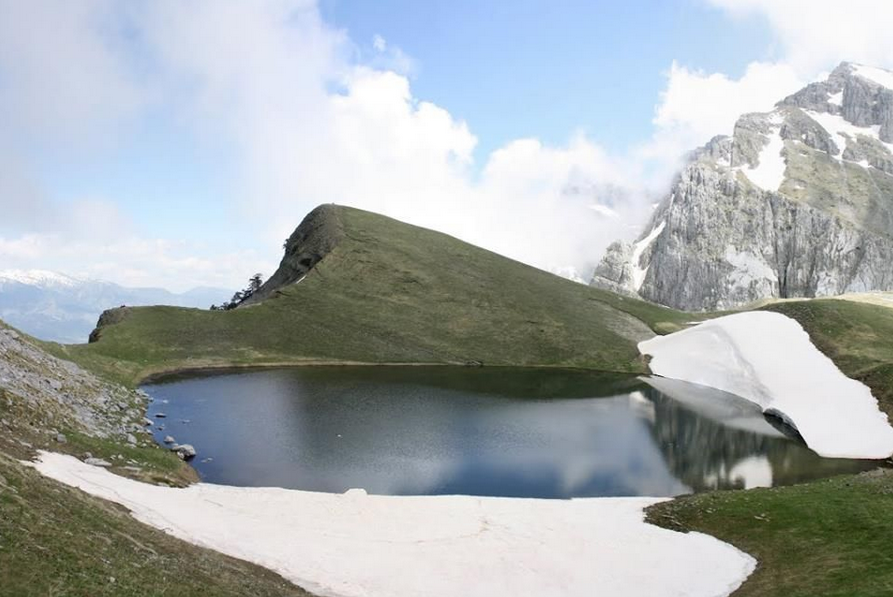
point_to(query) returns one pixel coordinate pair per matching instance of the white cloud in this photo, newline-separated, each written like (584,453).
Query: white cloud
(306,116)
(133,261)
(697,105)
(62,69)
(308,125)
(816,35)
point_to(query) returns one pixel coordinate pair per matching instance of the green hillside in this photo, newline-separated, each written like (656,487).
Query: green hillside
(381,291)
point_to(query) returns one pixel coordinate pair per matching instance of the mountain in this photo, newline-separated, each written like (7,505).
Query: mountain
(357,287)
(60,308)
(798,202)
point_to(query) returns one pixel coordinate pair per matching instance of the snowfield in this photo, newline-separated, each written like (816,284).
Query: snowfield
(769,359)
(769,171)
(357,544)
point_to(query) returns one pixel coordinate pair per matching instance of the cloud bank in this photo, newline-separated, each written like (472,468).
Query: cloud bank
(296,113)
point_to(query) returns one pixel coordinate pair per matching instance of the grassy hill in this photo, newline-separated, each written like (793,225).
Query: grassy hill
(382,291)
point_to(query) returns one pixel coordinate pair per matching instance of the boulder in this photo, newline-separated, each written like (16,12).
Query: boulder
(98,462)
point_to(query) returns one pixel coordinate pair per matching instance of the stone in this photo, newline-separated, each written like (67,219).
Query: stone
(60,437)
(131,439)
(184,451)
(98,462)
(160,415)
(168,439)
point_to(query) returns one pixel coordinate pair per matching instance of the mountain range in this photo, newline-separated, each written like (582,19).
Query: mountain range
(797,202)
(60,308)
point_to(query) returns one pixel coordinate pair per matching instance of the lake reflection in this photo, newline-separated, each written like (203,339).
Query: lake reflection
(487,431)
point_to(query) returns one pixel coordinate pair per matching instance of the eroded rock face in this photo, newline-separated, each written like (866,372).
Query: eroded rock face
(798,202)
(317,235)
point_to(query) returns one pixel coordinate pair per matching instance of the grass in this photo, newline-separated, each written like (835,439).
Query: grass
(825,538)
(56,540)
(26,431)
(391,293)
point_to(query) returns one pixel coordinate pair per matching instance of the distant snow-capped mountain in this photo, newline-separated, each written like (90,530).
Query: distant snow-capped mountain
(61,308)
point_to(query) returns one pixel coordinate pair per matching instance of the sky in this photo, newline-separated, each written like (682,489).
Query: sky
(176,143)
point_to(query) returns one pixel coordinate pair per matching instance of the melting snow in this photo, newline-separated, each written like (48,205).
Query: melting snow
(842,130)
(355,544)
(769,359)
(882,77)
(639,248)
(769,172)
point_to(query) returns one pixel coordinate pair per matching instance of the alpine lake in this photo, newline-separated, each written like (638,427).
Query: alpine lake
(539,433)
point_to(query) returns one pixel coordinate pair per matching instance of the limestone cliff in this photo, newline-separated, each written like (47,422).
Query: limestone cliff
(798,202)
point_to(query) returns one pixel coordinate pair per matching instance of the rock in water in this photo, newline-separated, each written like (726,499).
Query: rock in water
(184,451)
(798,202)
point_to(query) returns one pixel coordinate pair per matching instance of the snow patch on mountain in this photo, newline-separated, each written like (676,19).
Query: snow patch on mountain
(882,77)
(768,174)
(62,308)
(845,131)
(36,277)
(639,248)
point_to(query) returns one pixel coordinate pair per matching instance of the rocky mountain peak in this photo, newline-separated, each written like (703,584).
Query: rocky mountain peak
(798,201)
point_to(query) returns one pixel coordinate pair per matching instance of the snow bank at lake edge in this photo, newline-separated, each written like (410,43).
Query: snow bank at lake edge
(354,544)
(769,359)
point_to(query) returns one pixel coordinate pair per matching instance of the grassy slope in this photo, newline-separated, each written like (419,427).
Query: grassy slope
(55,540)
(392,293)
(823,538)
(828,537)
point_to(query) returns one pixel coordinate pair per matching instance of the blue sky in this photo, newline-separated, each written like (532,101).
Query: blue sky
(546,69)
(176,143)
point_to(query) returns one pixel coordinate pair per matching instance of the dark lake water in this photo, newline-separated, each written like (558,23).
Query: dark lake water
(486,431)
